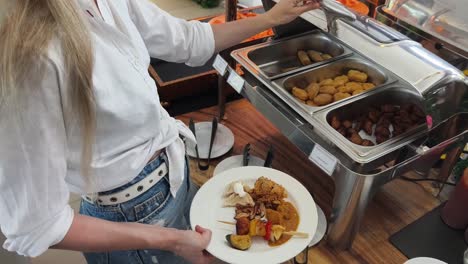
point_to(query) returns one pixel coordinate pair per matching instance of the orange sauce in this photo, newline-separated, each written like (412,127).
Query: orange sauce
(289,219)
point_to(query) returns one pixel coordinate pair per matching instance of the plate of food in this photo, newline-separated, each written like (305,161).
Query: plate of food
(256,214)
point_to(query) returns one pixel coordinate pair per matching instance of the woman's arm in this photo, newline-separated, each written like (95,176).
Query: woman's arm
(229,34)
(89,234)
(176,40)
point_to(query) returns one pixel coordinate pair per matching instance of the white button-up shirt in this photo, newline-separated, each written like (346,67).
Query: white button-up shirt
(40,147)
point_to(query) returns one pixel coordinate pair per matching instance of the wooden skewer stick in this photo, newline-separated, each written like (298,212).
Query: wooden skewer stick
(226,222)
(296,234)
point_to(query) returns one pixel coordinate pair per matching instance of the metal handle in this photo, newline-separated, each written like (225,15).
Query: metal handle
(333,11)
(337,9)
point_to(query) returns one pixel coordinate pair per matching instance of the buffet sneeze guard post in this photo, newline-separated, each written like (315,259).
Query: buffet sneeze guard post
(231,15)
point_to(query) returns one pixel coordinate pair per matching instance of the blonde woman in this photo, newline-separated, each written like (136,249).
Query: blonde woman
(79,113)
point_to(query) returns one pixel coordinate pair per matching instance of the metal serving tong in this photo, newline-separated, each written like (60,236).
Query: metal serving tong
(214,129)
(269,157)
(246,155)
(192,128)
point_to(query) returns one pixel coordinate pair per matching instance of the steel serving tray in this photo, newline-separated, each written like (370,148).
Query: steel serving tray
(393,94)
(380,77)
(277,59)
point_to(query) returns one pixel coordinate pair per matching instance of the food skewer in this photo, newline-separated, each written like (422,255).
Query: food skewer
(269,232)
(289,233)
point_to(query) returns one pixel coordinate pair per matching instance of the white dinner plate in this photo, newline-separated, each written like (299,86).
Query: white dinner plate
(207,209)
(424,260)
(223,142)
(236,162)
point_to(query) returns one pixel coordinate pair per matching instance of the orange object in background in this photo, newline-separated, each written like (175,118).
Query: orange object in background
(222,19)
(455,211)
(357,6)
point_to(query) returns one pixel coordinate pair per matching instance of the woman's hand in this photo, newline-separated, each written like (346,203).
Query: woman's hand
(286,11)
(192,244)
(283,12)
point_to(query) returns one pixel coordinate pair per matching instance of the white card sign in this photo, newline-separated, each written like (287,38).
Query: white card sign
(323,159)
(236,81)
(220,65)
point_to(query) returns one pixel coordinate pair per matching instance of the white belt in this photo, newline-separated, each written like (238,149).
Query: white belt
(132,191)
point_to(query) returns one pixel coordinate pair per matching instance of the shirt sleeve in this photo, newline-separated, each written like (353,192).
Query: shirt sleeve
(34,197)
(170,38)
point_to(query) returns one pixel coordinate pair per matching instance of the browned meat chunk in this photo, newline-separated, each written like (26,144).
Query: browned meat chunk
(368,127)
(347,124)
(342,131)
(356,139)
(242,226)
(380,139)
(388,108)
(367,143)
(374,115)
(382,131)
(335,122)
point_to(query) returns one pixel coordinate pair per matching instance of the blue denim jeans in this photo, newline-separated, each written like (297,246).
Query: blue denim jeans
(155,207)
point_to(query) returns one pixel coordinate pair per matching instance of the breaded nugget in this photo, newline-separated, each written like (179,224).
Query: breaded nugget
(327,89)
(357,76)
(303,58)
(339,96)
(368,86)
(314,56)
(326,56)
(300,93)
(358,91)
(353,86)
(343,89)
(323,99)
(312,90)
(326,82)
(341,80)
(311,103)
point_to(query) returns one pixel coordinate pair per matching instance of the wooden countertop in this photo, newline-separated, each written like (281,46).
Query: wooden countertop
(398,204)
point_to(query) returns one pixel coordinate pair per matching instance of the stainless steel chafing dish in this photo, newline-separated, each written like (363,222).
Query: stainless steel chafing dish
(441,25)
(403,72)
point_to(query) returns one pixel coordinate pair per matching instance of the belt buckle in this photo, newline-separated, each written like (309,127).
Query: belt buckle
(89,200)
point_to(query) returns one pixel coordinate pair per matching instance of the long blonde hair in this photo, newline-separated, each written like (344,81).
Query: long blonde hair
(25,36)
